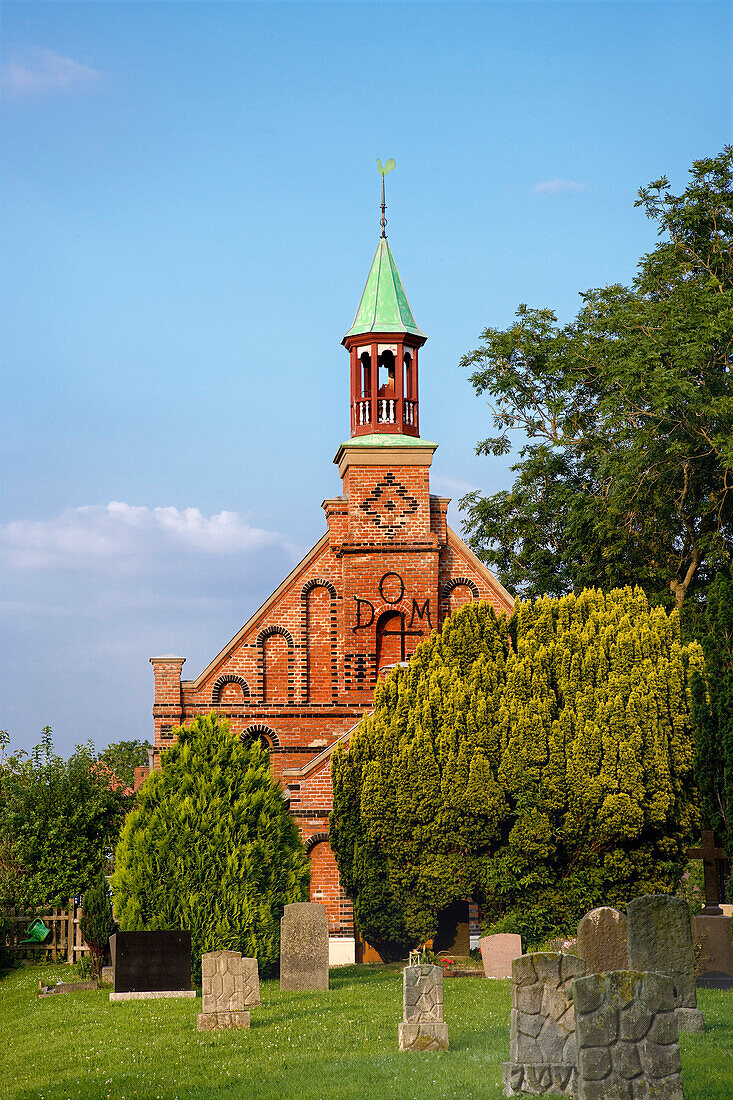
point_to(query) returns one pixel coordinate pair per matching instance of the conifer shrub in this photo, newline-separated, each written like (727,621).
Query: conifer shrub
(713,711)
(211,847)
(97,921)
(541,766)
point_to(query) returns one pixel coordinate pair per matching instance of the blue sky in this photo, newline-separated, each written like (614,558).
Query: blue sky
(190,207)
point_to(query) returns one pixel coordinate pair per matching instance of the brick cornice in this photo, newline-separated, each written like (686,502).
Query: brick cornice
(353,454)
(431,546)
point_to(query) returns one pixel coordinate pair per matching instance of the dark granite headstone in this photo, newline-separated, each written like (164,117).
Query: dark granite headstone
(453,935)
(151,962)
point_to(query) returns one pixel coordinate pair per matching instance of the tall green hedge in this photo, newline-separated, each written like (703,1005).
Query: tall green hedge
(211,847)
(713,711)
(541,766)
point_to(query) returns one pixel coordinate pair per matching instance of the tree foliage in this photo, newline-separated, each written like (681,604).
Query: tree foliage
(97,921)
(58,820)
(626,472)
(713,711)
(210,847)
(122,757)
(541,766)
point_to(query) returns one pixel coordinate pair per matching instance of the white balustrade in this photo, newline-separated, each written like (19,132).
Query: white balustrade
(363,412)
(386,410)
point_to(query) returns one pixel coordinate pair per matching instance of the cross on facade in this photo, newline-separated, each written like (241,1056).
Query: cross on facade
(712,856)
(401,634)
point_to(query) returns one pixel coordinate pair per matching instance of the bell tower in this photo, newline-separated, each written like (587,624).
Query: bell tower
(383,344)
(386,528)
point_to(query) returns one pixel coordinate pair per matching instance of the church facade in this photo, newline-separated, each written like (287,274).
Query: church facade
(300,673)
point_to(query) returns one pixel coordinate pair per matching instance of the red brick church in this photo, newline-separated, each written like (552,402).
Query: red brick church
(300,673)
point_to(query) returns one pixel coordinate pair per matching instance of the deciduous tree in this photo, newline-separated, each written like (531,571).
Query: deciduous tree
(626,471)
(58,820)
(122,757)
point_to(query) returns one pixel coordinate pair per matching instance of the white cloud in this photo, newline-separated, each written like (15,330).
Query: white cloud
(130,536)
(42,70)
(557,187)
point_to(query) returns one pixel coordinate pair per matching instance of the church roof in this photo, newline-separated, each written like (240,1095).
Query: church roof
(384,306)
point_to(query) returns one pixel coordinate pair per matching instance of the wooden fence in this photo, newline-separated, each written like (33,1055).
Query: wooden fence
(64,942)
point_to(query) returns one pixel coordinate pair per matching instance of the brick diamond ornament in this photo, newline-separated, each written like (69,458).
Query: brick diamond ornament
(389,504)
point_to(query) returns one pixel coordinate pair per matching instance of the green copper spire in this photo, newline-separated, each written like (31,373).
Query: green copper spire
(384,306)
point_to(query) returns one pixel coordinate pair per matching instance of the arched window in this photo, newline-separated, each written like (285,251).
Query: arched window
(276,656)
(390,639)
(261,733)
(386,374)
(409,381)
(366,374)
(459,591)
(229,689)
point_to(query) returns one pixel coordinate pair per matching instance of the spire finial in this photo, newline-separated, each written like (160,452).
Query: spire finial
(383,172)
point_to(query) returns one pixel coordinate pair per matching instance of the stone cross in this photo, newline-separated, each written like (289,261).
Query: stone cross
(626,1036)
(712,856)
(422,1026)
(660,939)
(542,1033)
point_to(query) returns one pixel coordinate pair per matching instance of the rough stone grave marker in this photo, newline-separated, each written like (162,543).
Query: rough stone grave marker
(602,940)
(660,940)
(151,964)
(422,1027)
(627,1037)
(304,947)
(542,1033)
(230,985)
(498,952)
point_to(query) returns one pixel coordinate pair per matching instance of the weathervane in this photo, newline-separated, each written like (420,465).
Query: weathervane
(383,172)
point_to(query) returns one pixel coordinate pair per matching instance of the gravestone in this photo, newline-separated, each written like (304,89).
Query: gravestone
(627,1037)
(602,940)
(422,1027)
(304,947)
(151,964)
(660,940)
(230,985)
(498,952)
(715,965)
(453,936)
(542,1032)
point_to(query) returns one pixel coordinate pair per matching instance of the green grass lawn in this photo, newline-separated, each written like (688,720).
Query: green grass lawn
(308,1046)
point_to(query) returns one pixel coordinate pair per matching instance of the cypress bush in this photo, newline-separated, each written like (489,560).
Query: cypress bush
(541,766)
(713,711)
(97,921)
(211,847)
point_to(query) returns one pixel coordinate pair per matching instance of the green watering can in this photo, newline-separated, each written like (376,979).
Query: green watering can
(37,932)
